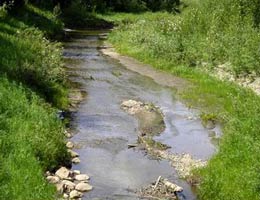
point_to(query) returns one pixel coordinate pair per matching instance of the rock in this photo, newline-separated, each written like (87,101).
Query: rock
(75,160)
(48,173)
(82,177)
(53,179)
(65,196)
(76,172)
(68,185)
(83,187)
(68,135)
(60,188)
(69,145)
(63,173)
(73,153)
(74,194)
(132,106)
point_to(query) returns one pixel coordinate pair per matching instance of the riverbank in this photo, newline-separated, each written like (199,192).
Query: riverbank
(32,89)
(235,107)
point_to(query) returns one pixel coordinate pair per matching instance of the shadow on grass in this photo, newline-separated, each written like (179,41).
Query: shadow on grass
(85,21)
(29,16)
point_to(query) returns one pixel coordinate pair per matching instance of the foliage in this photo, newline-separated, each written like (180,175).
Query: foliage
(78,15)
(30,58)
(208,33)
(31,136)
(213,33)
(30,142)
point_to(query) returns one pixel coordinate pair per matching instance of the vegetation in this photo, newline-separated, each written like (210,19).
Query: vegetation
(213,33)
(191,38)
(31,80)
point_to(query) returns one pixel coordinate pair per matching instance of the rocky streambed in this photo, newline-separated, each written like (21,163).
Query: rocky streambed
(130,129)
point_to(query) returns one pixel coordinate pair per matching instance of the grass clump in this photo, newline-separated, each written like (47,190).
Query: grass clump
(178,45)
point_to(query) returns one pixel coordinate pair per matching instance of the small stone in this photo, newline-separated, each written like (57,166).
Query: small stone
(83,187)
(82,177)
(69,145)
(73,153)
(75,160)
(48,173)
(74,194)
(68,184)
(63,173)
(53,179)
(65,196)
(76,172)
(68,135)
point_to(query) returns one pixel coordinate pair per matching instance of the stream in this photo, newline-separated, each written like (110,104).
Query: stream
(103,130)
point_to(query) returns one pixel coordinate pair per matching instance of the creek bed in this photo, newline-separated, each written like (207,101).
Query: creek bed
(103,130)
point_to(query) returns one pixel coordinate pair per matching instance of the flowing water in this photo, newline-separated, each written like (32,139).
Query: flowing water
(104,130)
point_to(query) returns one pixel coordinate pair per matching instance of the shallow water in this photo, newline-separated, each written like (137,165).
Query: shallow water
(104,130)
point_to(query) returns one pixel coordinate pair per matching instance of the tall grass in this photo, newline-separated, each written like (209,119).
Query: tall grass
(31,141)
(206,34)
(31,136)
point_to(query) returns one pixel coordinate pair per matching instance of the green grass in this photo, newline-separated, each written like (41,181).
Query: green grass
(32,82)
(233,173)
(28,57)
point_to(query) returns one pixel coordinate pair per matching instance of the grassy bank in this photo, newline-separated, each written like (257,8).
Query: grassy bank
(32,87)
(160,39)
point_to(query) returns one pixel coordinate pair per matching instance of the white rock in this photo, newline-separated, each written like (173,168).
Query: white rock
(74,194)
(82,177)
(65,196)
(83,187)
(76,172)
(68,184)
(75,160)
(48,173)
(69,145)
(73,153)
(63,173)
(68,135)
(53,179)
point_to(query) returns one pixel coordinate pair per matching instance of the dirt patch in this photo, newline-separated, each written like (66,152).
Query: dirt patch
(160,77)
